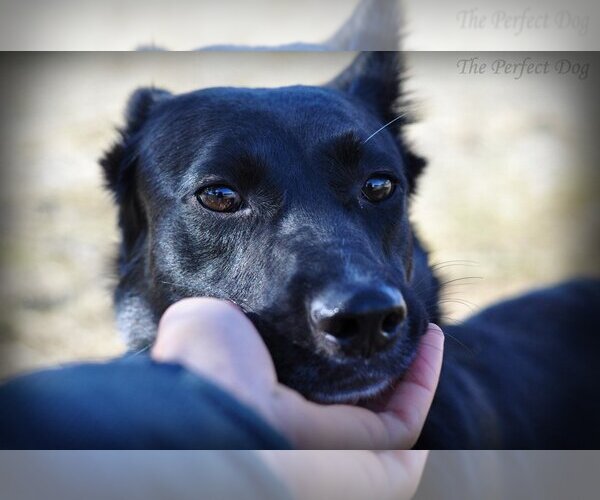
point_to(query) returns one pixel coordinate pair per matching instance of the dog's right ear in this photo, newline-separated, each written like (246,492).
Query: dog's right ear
(375,79)
(119,162)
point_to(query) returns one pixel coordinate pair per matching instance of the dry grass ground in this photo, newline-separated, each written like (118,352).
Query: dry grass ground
(505,188)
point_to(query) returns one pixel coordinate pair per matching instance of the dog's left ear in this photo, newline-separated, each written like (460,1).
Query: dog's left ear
(119,166)
(375,78)
(117,160)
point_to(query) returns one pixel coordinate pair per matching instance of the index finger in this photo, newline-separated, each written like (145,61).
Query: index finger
(411,401)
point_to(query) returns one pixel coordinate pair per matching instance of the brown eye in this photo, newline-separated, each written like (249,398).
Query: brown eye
(219,199)
(378,188)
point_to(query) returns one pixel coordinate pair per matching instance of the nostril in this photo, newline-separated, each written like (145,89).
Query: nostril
(340,326)
(392,320)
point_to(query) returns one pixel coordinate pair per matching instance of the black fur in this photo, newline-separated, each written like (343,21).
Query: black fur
(298,156)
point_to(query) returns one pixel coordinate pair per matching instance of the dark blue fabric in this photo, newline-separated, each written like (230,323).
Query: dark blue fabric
(129,403)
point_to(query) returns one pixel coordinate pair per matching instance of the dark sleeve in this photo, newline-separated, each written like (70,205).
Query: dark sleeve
(129,403)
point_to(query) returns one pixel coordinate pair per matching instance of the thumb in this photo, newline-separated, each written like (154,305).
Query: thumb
(215,339)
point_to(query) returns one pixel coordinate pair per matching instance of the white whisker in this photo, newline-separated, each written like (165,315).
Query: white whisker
(382,128)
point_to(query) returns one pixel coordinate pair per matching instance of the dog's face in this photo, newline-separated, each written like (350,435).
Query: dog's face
(287,202)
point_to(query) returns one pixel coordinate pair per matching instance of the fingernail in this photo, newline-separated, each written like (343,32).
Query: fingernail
(435,328)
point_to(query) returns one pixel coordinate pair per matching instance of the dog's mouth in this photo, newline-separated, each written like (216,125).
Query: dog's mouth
(334,378)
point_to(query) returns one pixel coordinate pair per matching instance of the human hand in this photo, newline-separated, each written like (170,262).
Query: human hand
(214,339)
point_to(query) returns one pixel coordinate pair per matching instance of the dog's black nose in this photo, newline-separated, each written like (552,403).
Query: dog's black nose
(360,321)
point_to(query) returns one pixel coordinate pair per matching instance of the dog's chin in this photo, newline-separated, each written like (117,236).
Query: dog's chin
(369,384)
(354,396)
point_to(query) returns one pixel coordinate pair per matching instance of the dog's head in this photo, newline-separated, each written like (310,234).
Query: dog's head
(291,202)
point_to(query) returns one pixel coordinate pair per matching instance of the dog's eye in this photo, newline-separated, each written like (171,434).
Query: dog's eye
(219,199)
(378,188)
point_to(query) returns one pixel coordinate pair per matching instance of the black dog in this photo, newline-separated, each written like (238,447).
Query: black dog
(293,203)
